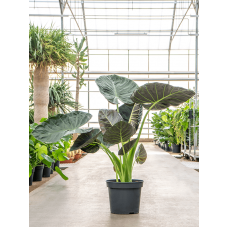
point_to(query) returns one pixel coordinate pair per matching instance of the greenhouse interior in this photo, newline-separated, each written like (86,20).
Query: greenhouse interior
(113,113)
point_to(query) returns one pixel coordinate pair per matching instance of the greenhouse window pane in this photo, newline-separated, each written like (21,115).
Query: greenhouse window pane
(118,62)
(98,64)
(97,101)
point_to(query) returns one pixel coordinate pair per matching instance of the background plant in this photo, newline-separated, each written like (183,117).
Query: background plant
(175,123)
(48,48)
(79,62)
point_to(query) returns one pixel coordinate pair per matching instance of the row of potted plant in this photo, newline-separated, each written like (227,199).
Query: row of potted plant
(44,158)
(171,127)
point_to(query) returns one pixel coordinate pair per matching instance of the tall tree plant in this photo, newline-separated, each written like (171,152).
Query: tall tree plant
(48,48)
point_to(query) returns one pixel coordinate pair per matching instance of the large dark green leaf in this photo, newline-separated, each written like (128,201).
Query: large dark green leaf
(127,147)
(121,131)
(79,131)
(107,118)
(100,139)
(140,155)
(91,148)
(85,139)
(94,146)
(54,128)
(164,94)
(115,88)
(132,114)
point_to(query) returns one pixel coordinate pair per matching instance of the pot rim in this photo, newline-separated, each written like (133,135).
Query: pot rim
(136,183)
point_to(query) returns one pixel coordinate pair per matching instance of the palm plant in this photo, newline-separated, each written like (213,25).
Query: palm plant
(48,48)
(116,126)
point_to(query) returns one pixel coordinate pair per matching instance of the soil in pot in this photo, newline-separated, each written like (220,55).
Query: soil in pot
(176,148)
(31,177)
(124,197)
(38,173)
(46,171)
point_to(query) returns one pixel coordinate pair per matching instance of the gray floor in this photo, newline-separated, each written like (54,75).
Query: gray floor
(170,195)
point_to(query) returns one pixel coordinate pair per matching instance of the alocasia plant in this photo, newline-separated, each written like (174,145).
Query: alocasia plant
(118,126)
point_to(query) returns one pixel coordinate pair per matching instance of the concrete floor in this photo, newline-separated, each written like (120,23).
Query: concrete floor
(170,195)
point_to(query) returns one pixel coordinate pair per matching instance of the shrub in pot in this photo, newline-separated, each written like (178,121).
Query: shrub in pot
(117,127)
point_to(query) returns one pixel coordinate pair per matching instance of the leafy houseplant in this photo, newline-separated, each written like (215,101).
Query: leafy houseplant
(47,48)
(117,127)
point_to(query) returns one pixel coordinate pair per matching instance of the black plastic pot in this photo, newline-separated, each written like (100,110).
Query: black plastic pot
(190,114)
(31,177)
(159,144)
(52,167)
(176,148)
(124,197)
(46,172)
(166,147)
(38,173)
(56,164)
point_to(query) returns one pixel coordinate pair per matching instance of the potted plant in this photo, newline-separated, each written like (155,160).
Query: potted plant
(117,127)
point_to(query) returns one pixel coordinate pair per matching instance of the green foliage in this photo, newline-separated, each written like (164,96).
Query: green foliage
(41,153)
(54,128)
(48,47)
(173,125)
(115,88)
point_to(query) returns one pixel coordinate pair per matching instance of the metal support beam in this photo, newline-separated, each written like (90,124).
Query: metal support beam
(62,6)
(72,34)
(74,17)
(134,72)
(47,15)
(196,77)
(84,19)
(181,21)
(135,79)
(171,33)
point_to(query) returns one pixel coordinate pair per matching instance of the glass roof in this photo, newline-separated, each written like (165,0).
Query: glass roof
(130,25)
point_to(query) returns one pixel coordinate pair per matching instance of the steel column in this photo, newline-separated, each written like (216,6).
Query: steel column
(134,72)
(171,33)
(196,77)
(62,5)
(84,19)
